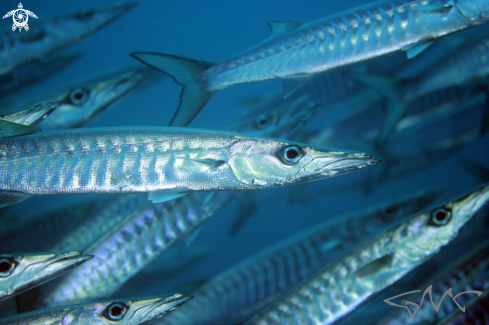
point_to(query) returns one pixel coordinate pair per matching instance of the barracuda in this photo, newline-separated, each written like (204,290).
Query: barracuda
(54,33)
(22,272)
(294,51)
(342,286)
(167,162)
(123,312)
(255,282)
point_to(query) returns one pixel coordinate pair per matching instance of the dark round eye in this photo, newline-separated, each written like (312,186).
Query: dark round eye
(116,311)
(86,14)
(389,213)
(292,154)
(7,266)
(440,217)
(262,121)
(78,96)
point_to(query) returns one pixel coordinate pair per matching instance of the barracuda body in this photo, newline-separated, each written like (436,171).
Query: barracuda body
(295,51)
(123,312)
(255,282)
(340,287)
(167,162)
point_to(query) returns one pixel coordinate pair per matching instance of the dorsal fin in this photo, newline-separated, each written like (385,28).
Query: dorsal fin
(281,27)
(10,129)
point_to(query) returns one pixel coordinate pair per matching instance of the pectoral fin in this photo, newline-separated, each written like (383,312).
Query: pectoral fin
(166,195)
(292,83)
(211,163)
(10,129)
(281,27)
(414,50)
(9,198)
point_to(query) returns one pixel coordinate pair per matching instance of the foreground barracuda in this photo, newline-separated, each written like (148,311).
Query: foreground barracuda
(130,312)
(167,162)
(340,287)
(19,273)
(35,70)
(51,34)
(83,102)
(294,51)
(32,116)
(257,281)
(144,230)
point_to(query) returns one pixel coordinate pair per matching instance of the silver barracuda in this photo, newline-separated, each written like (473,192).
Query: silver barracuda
(255,282)
(31,116)
(463,275)
(51,34)
(167,162)
(343,285)
(146,232)
(295,51)
(130,312)
(36,70)
(86,99)
(19,273)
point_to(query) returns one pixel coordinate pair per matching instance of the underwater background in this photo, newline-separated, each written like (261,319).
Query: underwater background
(212,31)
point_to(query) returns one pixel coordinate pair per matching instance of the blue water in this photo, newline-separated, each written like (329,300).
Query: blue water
(212,31)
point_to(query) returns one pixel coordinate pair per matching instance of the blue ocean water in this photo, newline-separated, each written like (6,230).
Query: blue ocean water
(212,31)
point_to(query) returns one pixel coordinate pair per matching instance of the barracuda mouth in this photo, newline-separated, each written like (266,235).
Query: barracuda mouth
(165,305)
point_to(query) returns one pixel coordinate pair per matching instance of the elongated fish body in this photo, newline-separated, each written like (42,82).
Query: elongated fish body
(32,116)
(36,70)
(21,272)
(140,239)
(476,312)
(85,99)
(123,311)
(468,273)
(468,62)
(135,160)
(340,287)
(54,33)
(258,280)
(146,232)
(295,51)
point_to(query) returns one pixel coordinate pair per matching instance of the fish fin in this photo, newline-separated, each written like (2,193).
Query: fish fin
(184,71)
(281,27)
(10,129)
(211,163)
(292,83)
(433,8)
(9,198)
(190,239)
(374,267)
(166,195)
(414,50)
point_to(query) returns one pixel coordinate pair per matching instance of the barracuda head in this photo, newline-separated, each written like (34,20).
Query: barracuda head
(129,312)
(428,232)
(22,272)
(476,10)
(267,163)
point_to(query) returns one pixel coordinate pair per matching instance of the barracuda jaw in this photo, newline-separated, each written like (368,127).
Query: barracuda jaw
(146,310)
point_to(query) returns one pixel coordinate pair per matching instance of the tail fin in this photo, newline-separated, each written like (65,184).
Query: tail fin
(185,72)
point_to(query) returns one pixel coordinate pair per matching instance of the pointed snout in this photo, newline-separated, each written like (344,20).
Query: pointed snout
(61,263)
(157,307)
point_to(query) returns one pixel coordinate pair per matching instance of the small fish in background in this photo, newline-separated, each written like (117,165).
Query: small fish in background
(123,311)
(19,273)
(36,70)
(294,51)
(374,265)
(257,281)
(167,162)
(51,34)
(32,116)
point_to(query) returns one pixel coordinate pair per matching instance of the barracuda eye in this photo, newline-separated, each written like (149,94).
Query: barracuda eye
(263,121)
(116,311)
(86,14)
(78,96)
(291,155)
(440,217)
(7,266)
